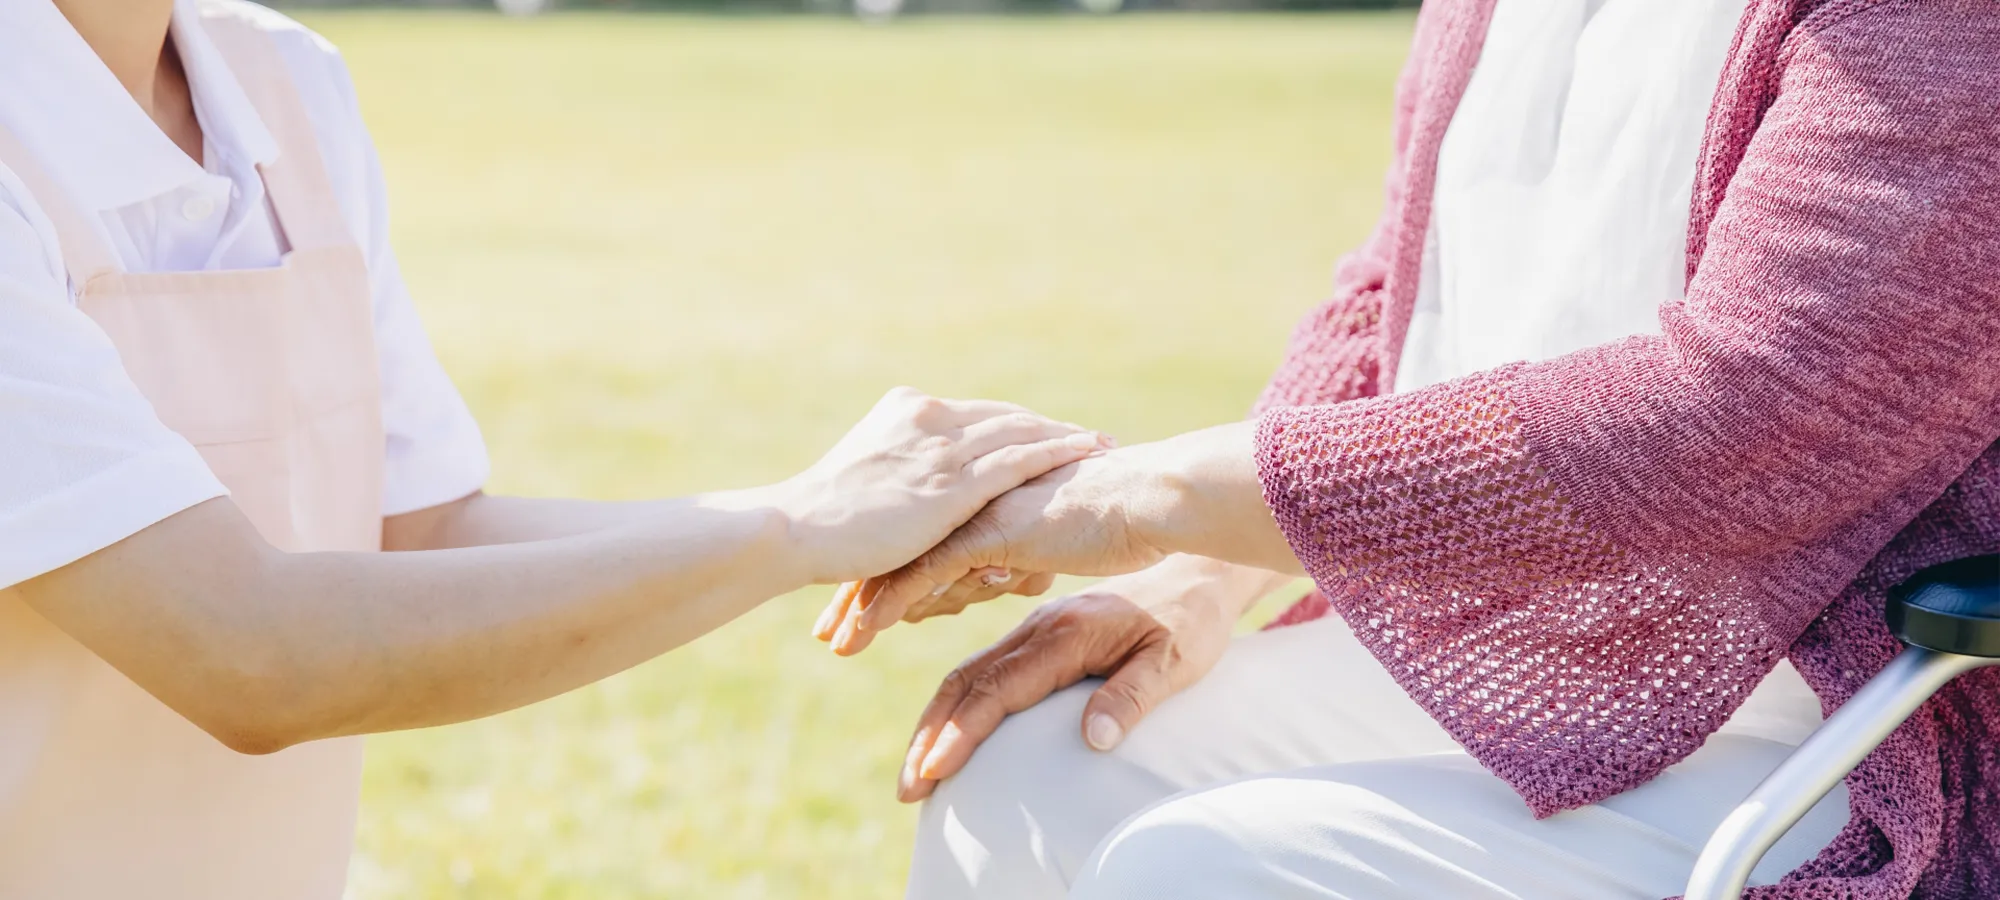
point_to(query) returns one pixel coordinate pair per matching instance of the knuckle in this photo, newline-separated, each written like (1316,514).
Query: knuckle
(1023,421)
(926,568)
(890,608)
(926,409)
(956,681)
(882,610)
(1128,694)
(988,688)
(999,463)
(1008,669)
(1067,618)
(1034,459)
(1035,453)
(984,537)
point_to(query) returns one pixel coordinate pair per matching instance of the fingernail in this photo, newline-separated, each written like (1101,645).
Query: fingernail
(934,761)
(1103,732)
(824,623)
(939,590)
(992,578)
(873,619)
(1107,442)
(911,761)
(1084,441)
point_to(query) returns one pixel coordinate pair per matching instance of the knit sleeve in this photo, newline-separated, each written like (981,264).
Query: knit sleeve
(1335,352)
(1582,566)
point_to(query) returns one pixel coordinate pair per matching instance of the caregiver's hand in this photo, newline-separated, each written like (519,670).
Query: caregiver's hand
(912,470)
(1150,633)
(1113,513)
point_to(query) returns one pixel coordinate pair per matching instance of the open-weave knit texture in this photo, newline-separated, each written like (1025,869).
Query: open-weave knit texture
(1582,566)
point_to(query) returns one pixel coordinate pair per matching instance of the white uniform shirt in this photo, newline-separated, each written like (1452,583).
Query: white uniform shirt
(84,462)
(1561,213)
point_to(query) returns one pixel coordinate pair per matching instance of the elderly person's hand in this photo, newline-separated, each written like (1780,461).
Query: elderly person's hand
(1114,513)
(1149,634)
(914,468)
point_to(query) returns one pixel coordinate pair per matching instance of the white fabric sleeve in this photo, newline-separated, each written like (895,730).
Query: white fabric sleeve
(435,452)
(84,461)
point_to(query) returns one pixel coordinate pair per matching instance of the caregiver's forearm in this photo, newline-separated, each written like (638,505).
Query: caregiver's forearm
(265,649)
(1207,499)
(482,520)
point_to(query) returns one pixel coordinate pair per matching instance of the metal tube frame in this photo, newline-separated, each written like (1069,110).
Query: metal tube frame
(1850,734)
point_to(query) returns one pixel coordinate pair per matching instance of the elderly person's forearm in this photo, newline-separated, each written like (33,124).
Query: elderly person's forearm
(1205,498)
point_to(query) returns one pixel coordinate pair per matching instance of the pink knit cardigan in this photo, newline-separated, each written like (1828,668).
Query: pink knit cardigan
(1582,566)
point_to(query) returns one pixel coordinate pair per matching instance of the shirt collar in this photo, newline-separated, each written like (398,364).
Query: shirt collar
(230,124)
(88,133)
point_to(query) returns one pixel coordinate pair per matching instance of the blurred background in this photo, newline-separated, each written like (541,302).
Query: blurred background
(668,252)
(871,7)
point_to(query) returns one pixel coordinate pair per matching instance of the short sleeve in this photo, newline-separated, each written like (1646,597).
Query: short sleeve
(434,451)
(84,462)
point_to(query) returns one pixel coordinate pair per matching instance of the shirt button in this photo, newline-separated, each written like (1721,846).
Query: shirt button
(197,208)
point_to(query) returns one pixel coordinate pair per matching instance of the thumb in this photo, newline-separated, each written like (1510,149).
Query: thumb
(1126,697)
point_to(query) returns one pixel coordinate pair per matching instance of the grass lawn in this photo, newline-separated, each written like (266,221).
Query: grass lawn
(663,254)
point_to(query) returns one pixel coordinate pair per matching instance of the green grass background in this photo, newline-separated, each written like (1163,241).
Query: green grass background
(667,254)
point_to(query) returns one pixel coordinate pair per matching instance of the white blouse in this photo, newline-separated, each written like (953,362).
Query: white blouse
(1561,214)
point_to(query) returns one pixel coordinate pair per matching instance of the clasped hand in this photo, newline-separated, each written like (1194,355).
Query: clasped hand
(909,472)
(1086,518)
(1111,513)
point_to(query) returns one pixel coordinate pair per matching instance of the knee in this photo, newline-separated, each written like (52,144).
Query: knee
(1166,852)
(1294,836)
(1002,826)
(1025,766)
(1211,843)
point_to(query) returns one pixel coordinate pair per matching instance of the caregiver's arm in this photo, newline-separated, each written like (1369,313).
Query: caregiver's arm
(482,520)
(265,649)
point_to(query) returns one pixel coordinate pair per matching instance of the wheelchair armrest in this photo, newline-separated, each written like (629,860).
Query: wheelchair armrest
(1949,618)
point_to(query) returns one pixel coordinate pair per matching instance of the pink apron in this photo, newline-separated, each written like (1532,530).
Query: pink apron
(272,375)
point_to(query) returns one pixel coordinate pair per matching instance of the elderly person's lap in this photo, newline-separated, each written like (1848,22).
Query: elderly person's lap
(1298,769)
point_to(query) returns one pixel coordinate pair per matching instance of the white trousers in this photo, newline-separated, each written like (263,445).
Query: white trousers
(1298,769)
